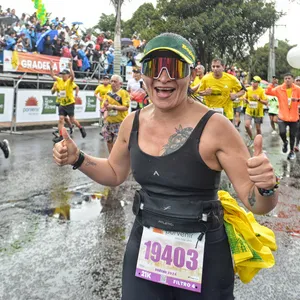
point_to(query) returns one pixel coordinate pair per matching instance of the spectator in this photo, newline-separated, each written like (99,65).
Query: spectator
(10,41)
(110,61)
(48,46)
(65,50)
(85,62)
(57,46)
(130,60)
(135,41)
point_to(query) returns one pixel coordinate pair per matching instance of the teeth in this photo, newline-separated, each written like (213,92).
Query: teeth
(165,89)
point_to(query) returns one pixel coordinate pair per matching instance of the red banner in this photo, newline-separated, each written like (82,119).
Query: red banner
(14,61)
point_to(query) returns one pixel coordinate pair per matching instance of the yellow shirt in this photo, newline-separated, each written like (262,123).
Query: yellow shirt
(115,116)
(289,92)
(55,87)
(196,81)
(65,88)
(102,90)
(255,108)
(221,89)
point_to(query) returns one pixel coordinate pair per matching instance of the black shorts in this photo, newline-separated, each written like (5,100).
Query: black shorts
(67,110)
(270,114)
(217,281)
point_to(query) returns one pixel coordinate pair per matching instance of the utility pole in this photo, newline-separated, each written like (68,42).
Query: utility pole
(271,65)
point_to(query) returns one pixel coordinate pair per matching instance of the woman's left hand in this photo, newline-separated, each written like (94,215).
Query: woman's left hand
(260,170)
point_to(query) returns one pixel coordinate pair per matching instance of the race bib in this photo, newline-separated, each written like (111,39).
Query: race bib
(253,104)
(171,258)
(219,110)
(62,94)
(134,104)
(289,101)
(113,113)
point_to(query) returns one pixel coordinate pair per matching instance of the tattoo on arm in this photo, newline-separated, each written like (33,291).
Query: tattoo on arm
(251,197)
(90,163)
(177,139)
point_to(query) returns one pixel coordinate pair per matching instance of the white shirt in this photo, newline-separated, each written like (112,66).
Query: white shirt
(133,84)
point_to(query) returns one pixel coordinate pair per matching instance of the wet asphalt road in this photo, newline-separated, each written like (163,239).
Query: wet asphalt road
(63,236)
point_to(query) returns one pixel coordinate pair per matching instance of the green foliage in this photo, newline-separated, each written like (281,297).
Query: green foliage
(261,57)
(106,23)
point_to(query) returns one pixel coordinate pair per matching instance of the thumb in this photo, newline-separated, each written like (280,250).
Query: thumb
(65,134)
(258,145)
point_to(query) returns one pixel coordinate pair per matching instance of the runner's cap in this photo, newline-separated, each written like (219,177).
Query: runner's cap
(257,78)
(297,78)
(106,77)
(65,72)
(172,42)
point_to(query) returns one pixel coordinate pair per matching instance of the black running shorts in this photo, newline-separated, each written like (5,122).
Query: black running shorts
(67,110)
(217,281)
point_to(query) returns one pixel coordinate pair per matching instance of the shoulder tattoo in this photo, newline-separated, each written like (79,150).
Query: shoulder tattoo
(177,139)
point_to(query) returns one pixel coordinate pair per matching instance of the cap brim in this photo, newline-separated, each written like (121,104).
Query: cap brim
(186,59)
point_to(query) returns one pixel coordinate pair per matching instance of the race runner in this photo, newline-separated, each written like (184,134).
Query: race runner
(54,90)
(177,148)
(220,89)
(256,99)
(66,100)
(288,95)
(296,148)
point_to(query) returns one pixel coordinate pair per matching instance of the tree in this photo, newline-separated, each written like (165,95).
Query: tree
(117,39)
(106,23)
(261,56)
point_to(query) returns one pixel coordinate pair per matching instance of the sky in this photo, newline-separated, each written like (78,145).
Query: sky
(90,13)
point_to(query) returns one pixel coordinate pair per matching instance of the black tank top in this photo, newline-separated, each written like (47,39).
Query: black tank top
(181,174)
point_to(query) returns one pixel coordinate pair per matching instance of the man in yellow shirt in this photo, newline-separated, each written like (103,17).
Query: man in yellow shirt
(66,100)
(220,89)
(54,90)
(118,103)
(103,89)
(195,85)
(256,99)
(100,93)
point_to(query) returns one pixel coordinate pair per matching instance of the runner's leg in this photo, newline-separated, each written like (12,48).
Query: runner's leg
(248,126)
(282,132)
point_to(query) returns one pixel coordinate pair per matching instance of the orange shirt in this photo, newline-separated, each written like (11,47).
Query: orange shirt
(288,113)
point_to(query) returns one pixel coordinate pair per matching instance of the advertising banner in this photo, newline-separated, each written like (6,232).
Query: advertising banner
(6,104)
(39,106)
(15,61)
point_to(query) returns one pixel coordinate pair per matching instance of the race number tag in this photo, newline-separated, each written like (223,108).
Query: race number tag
(253,104)
(171,258)
(113,113)
(62,94)
(219,110)
(134,104)
(289,101)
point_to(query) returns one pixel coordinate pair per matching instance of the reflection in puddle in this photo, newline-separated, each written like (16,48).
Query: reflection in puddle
(81,206)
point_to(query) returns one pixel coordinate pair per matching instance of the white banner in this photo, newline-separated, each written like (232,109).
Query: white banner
(39,106)
(6,104)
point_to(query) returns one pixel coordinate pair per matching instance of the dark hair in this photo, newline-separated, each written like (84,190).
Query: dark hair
(219,59)
(288,74)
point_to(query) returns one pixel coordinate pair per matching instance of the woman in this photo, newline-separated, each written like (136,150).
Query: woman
(48,46)
(177,149)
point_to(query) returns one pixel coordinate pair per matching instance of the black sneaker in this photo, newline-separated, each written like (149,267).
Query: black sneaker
(57,139)
(285,147)
(5,148)
(291,155)
(83,133)
(71,130)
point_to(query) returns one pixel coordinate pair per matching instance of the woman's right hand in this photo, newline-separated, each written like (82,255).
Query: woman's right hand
(65,152)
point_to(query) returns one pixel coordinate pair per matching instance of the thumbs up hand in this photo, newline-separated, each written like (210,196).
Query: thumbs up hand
(260,170)
(65,152)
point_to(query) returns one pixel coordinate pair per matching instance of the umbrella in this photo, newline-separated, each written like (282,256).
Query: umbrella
(41,40)
(129,49)
(77,23)
(126,42)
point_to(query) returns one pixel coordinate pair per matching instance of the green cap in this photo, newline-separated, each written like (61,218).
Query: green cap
(172,42)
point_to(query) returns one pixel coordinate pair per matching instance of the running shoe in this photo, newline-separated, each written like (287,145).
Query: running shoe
(250,142)
(296,148)
(5,148)
(83,133)
(57,139)
(291,155)
(274,132)
(285,147)
(71,130)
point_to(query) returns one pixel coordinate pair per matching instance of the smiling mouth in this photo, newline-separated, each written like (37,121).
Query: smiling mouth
(170,90)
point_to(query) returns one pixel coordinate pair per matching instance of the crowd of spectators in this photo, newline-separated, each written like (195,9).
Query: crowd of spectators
(91,53)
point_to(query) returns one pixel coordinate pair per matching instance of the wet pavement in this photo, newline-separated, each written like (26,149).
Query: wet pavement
(63,236)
